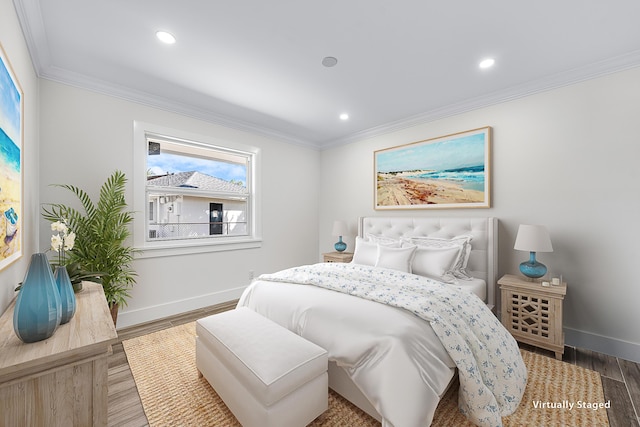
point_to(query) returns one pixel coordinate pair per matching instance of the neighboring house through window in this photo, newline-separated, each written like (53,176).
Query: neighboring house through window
(197,192)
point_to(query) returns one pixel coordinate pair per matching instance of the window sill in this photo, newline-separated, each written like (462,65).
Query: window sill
(164,249)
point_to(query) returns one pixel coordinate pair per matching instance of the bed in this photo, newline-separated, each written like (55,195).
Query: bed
(393,337)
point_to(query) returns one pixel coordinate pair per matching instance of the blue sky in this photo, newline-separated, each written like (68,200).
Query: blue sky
(172,163)
(9,105)
(449,154)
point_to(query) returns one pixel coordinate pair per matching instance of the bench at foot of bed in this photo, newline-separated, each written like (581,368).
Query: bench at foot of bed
(267,375)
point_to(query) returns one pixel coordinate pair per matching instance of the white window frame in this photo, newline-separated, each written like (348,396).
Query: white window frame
(142,131)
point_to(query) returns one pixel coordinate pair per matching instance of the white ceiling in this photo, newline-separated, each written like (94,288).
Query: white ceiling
(256,64)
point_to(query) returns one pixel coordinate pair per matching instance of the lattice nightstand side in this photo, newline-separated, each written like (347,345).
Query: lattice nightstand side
(337,257)
(532,313)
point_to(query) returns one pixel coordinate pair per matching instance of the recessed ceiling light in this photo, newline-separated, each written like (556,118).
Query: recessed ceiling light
(329,61)
(487,63)
(344,116)
(165,37)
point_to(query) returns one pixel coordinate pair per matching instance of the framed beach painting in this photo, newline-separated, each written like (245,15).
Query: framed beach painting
(11,133)
(451,171)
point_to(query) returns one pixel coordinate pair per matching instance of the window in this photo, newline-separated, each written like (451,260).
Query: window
(197,192)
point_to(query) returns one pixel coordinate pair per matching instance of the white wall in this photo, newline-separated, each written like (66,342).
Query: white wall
(15,49)
(565,158)
(86,136)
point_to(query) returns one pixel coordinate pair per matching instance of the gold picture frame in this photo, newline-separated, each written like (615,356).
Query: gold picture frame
(451,171)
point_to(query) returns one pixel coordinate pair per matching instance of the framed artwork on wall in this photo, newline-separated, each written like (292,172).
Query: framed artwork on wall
(11,141)
(451,171)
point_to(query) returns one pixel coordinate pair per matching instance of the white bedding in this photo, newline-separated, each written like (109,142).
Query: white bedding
(384,350)
(473,285)
(396,358)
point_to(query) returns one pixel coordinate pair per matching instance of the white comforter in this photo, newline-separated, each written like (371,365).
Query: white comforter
(400,362)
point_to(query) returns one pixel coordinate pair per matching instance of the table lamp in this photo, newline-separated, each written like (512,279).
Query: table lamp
(533,238)
(340,229)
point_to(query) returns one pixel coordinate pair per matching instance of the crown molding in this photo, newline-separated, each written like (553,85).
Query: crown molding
(144,98)
(32,25)
(30,18)
(555,81)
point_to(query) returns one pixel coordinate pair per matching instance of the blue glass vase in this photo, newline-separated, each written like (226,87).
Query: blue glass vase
(37,313)
(533,268)
(67,295)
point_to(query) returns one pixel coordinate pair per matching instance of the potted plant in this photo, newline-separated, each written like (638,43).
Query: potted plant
(101,231)
(77,275)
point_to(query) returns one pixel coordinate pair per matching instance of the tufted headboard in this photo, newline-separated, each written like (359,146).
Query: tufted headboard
(483,260)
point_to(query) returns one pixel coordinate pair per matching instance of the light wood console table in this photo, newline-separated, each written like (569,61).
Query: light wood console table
(61,381)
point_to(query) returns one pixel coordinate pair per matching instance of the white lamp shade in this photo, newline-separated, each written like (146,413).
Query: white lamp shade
(533,238)
(340,228)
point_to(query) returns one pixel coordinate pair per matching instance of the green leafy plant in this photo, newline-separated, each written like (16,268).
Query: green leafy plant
(100,252)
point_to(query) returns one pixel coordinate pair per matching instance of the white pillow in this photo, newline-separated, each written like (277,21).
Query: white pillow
(463,243)
(365,253)
(460,267)
(395,258)
(438,242)
(386,241)
(434,262)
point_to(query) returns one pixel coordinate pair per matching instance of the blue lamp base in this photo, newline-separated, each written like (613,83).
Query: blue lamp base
(532,268)
(340,246)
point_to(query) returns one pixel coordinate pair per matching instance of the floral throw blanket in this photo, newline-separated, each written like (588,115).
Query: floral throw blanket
(492,373)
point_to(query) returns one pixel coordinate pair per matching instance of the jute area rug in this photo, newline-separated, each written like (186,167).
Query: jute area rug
(163,366)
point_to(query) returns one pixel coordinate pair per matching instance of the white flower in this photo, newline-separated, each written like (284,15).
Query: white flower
(69,240)
(60,227)
(56,242)
(63,240)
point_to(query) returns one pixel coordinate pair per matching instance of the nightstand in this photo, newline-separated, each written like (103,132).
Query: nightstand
(338,256)
(532,313)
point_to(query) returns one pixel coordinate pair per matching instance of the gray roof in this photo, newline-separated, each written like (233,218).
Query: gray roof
(196,179)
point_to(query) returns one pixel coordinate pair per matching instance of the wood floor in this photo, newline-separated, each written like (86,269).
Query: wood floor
(125,407)
(620,378)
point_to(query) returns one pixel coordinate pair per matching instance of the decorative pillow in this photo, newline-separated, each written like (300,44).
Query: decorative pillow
(386,241)
(434,262)
(456,270)
(460,268)
(365,252)
(395,258)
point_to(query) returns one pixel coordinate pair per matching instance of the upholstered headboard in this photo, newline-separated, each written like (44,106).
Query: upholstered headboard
(483,260)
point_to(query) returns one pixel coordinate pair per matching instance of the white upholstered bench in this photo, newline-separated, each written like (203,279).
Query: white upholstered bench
(267,375)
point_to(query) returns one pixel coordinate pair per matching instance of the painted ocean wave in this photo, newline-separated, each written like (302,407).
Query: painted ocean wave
(470,174)
(9,152)
(468,177)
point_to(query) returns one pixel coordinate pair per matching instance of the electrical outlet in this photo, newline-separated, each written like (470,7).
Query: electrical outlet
(251,274)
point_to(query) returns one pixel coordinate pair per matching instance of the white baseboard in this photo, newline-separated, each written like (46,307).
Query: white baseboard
(573,337)
(606,345)
(128,318)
